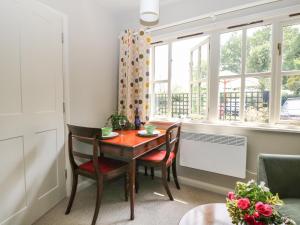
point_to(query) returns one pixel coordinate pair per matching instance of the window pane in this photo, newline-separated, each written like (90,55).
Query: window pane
(180,105)
(161,62)
(231,53)
(257,92)
(291,48)
(204,61)
(259,49)
(195,64)
(195,95)
(185,59)
(189,60)
(229,94)
(161,99)
(290,98)
(199,100)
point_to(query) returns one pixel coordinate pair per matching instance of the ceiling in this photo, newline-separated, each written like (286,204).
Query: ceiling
(123,5)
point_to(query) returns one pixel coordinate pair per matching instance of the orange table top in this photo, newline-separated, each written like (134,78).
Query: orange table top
(130,138)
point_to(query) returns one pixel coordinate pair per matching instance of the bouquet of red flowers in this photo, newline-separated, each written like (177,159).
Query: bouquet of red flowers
(253,204)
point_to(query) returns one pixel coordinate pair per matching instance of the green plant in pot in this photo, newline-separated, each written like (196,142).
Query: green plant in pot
(114,122)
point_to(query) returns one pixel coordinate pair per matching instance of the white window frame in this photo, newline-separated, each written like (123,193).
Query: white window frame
(280,73)
(153,81)
(276,22)
(199,80)
(243,75)
(169,80)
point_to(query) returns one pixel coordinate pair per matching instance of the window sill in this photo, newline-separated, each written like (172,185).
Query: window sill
(283,128)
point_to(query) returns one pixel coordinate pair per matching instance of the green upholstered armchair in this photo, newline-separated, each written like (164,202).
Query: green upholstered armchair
(281,173)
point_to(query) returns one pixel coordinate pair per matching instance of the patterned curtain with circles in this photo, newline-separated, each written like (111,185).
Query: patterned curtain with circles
(134,74)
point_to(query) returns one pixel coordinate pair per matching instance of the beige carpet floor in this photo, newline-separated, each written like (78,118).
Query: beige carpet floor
(152,206)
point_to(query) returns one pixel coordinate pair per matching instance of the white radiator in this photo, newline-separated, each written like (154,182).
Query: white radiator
(221,154)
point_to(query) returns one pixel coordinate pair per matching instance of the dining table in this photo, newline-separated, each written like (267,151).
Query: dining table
(128,146)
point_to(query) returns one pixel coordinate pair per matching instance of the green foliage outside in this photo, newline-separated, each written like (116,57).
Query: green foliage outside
(258,56)
(291,52)
(231,53)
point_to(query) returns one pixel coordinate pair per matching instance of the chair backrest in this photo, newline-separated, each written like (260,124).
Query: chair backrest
(86,135)
(281,173)
(172,139)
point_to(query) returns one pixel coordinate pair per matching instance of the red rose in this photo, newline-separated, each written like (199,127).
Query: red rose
(264,209)
(230,195)
(256,215)
(243,203)
(249,219)
(268,210)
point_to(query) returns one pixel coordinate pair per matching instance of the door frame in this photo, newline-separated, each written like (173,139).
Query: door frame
(66,97)
(66,90)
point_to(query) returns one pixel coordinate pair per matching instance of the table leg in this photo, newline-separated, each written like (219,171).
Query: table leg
(132,165)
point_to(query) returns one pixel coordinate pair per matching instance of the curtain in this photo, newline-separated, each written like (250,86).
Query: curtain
(134,74)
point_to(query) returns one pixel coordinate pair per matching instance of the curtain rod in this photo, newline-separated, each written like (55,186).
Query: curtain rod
(213,14)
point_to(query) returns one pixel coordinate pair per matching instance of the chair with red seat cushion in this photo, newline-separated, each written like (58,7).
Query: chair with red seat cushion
(157,156)
(97,168)
(165,158)
(106,165)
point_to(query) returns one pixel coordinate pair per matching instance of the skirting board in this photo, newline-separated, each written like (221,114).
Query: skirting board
(197,184)
(204,186)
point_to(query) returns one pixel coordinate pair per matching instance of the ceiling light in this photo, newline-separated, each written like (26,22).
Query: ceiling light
(149,10)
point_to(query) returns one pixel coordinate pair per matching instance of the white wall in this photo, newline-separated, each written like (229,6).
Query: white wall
(93,60)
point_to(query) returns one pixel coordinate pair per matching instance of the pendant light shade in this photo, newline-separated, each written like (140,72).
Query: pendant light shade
(149,10)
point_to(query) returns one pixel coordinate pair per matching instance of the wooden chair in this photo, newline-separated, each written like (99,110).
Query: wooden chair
(165,158)
(97,168)
(160,125)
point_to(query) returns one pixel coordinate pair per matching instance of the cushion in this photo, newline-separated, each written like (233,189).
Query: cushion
(106,165)
(157,156)
(291,209)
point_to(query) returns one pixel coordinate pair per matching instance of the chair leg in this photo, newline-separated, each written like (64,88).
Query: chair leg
(98,199)
(165,182)
(174,171)
(73,193)
(126,186)
(169,170)
(146,171)
(152,173)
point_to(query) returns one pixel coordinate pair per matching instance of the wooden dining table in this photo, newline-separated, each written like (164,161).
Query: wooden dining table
(129,146)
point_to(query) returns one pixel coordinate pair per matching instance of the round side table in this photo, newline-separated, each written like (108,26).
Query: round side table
(210,214)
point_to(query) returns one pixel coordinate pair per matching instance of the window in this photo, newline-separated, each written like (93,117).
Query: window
(199,79)
(255,67)
(230,75)
(231,53)
(245,74)
(160,81)
(290,73)
(181,92)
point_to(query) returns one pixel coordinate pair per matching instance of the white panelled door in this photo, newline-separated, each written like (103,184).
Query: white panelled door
(31,113)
